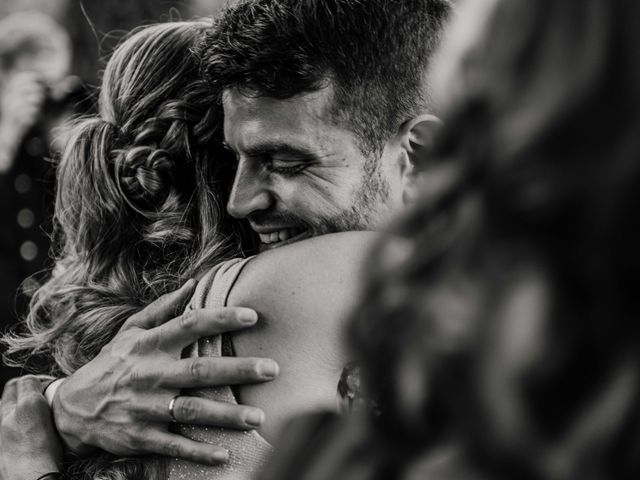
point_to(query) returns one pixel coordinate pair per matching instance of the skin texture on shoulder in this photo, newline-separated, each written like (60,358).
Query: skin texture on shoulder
(304,294)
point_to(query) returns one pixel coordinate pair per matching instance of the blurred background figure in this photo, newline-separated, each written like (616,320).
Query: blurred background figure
(51,55)
(36,91)
(35,59)
(95,26)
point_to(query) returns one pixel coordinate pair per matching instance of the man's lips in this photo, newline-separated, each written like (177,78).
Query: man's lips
(272,237)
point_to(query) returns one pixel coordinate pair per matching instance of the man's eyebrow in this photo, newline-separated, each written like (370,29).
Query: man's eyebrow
(273,148)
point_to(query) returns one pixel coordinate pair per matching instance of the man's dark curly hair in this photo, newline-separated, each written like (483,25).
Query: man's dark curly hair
(374,53)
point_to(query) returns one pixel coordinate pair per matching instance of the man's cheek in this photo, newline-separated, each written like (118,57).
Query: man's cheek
(315,196)
(336,186)
(317,204)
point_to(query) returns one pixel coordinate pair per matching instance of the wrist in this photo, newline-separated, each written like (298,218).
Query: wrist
(62,419)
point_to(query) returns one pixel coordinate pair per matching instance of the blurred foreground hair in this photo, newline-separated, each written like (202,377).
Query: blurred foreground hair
(504,326)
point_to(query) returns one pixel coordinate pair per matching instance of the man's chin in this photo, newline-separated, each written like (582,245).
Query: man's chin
(271,246)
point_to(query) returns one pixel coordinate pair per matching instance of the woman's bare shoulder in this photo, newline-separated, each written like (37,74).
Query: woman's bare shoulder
(304,293)
(329,266)
(317,256)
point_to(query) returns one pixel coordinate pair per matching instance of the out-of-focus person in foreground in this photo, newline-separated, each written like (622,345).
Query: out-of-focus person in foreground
(513,295)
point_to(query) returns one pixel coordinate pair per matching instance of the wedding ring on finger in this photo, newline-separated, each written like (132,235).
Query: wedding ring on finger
(172,404)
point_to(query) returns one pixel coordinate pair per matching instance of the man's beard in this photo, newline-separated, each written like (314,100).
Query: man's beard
(370,206)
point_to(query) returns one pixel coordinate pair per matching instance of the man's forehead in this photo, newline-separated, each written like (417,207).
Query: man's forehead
(303,119)
(311,106)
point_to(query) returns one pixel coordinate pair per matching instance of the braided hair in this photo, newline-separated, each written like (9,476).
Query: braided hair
(140,200)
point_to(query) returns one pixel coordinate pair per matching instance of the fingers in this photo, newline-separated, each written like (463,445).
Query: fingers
(177,446)
(195,324)
(202,411)
(208,371)
(163,309)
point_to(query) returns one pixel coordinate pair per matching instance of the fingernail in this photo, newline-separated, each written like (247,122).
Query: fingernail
(220,456)
(247,316)
(254,418)
(268,368)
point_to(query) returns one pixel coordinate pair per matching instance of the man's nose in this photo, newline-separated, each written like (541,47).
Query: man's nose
(250,192)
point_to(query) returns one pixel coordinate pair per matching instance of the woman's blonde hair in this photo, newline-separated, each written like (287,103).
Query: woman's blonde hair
(141,190)
(140,200)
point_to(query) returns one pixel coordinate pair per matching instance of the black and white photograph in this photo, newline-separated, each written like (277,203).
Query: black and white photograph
(319,240)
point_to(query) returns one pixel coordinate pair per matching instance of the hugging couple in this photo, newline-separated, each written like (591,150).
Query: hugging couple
(239,169)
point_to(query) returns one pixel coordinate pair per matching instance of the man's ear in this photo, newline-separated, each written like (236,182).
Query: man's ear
(417,138)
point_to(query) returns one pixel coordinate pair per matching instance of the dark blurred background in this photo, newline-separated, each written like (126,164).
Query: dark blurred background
(51,55)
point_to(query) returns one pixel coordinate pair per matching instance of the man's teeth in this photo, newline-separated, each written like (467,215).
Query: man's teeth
(279,236)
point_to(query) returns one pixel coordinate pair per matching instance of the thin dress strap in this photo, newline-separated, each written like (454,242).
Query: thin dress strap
(248,450)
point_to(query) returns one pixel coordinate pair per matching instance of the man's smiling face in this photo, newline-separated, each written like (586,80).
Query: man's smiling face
(298,173)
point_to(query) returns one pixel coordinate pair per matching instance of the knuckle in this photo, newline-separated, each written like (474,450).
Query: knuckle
(29,402)
(138,344)
(192,453)
(134,441)
(252,369)
(173,448)
(138,379)
(189,410)
(188,320)
(133,319)
(197,370)
(127,343)
(162,299)
(137,436)
(227,315)
(30,408)
(12,382)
